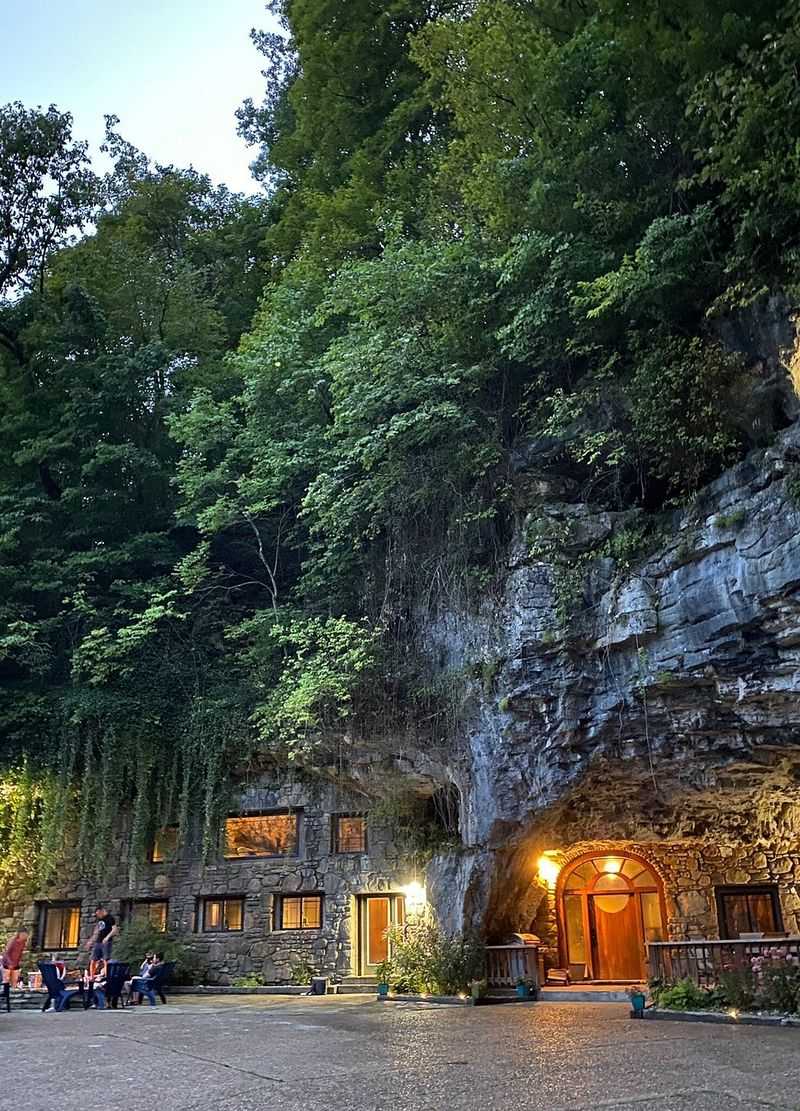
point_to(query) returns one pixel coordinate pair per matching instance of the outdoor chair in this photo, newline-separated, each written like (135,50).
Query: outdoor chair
(60,994)
(116,974)
(153,985)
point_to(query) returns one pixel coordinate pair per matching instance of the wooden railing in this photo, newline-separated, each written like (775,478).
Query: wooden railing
(704,960)
(505,964)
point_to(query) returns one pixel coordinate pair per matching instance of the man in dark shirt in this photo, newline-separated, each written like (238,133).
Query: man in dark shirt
(102,940)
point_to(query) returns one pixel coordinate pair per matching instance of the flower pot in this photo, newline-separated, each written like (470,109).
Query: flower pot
(638,1001)
(523,991)
(383,990)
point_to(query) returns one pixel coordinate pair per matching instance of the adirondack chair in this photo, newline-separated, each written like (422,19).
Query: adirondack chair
(154,984)
(60,994)
(117,973)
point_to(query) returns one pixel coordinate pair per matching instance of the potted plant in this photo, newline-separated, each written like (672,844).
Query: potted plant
(526,988)
(384,974)
(638,1000)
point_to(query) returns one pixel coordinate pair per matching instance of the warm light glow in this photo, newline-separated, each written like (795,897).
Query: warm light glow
(461,995)
(612,864)
(733,1013)
(415,897)
(548,870)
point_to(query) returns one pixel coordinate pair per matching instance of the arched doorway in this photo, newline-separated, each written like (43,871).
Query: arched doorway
(609,904)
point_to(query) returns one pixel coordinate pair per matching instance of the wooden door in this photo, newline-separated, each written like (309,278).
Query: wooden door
(617,944)
(376,914)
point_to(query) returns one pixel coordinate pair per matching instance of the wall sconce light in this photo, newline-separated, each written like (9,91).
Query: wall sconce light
(548,870)
(415,897)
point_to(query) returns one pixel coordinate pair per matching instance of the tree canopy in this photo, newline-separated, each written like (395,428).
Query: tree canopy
(252,443)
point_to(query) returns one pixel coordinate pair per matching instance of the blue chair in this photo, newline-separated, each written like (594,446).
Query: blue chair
(116,975)
(60,994)
(155,983)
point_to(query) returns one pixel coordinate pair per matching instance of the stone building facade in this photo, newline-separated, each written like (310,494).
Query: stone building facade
(317,901)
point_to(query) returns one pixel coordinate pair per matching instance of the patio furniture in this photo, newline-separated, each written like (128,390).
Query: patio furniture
(153,985)
(116,975)
(59,993)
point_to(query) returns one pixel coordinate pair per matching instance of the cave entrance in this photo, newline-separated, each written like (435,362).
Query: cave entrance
(609,905)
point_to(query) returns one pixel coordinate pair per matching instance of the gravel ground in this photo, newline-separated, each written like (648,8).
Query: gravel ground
(352,1054)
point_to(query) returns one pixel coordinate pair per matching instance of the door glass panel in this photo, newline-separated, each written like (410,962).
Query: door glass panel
(651,916)
(611,904)
(632,868)
(645,879)
(611,864)
(581,876)
(611,882)
(576,941)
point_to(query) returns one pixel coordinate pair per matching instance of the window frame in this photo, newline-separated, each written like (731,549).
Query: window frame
(335,837)
(130,905)
(280,812)
(45,909)
(302,897)
(166,858)
(223,900)
(745,889)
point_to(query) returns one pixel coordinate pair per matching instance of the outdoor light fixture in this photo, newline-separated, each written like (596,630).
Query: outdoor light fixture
(415,897)
(548,870)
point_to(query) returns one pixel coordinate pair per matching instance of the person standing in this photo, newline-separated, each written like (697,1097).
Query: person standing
(12,956)
(101,942)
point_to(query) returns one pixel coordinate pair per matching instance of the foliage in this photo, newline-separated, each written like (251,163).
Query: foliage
(254,445)
(426,959)
(252,980)
(685,995)
(139,938)
(301,970)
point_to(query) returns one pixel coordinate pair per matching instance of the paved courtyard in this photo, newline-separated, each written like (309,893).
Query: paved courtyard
(249,1053)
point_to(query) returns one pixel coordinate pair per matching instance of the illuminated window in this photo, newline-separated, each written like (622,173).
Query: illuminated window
(349,833)
(165,845)
(61,926)
(298,912)
(149,912)
(225,913)
(261,835)
(748,908)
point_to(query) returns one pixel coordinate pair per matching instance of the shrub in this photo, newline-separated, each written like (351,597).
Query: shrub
(426,959)
(777,981)
(252,980)
(301,971)
(738,989)
(685,995)
(137,938)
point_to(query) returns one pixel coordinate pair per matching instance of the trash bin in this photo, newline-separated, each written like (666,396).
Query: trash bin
(319,985)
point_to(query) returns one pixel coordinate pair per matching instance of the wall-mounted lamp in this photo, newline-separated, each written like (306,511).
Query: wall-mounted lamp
(548,870)
(415,897)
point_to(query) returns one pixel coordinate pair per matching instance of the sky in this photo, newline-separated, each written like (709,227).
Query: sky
(174,71)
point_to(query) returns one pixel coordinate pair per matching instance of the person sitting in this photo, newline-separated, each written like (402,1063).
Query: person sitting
(144,970)
(158,959)
(95,984)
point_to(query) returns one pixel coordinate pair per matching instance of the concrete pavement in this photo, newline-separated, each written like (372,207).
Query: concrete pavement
(353,1054)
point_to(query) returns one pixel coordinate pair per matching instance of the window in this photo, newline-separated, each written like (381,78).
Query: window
(224,912)
(149,912)
(165,845)
(261,835)
(298,912)
(748,909)
(61,926)
(349,833)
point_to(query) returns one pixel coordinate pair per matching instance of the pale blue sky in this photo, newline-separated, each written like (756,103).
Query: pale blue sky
(174,71)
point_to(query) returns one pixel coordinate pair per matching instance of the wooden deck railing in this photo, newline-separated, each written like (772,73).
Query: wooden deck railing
(703,960)
(505,964)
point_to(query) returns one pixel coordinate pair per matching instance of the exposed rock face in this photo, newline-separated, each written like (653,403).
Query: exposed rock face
(667,705)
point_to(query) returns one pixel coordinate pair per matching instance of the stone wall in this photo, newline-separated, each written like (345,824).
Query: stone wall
(261,947)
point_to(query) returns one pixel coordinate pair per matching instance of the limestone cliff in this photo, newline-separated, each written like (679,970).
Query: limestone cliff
(667,704)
